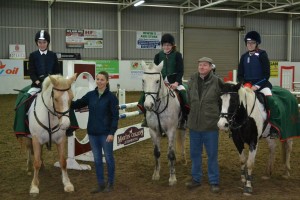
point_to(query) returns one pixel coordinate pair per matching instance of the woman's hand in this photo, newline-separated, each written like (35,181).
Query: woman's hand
(174,85)
(254,88)
(110,138)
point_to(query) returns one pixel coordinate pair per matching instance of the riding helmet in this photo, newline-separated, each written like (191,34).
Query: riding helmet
(253,35)
(167,38)
(42,35)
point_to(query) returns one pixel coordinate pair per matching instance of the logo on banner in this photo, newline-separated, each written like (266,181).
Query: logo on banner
(5,71)
(131,135)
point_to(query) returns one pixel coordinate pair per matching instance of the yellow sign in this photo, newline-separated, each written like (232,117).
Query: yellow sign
(273,69)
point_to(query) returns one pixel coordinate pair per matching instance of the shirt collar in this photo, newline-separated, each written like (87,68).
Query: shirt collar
(43,52)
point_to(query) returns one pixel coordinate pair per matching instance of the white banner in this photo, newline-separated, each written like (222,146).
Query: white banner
(11,67)
(148,40)
(93,38)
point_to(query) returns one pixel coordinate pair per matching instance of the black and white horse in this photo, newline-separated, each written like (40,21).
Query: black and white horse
(245,116)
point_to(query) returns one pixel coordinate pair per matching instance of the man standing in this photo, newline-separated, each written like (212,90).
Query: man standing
(204,89)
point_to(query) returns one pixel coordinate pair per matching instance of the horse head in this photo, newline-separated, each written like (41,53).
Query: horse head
(61,97)
(230,103)
(152,84)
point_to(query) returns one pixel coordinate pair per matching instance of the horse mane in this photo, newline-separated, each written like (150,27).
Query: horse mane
(246,95)
(62,82)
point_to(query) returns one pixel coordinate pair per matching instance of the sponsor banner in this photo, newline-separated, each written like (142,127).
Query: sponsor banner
(17,51)
(273,69)
(93,38)
(11,67)
(136,69)
(129,135)
(74,38)
(148,40)
(110,66)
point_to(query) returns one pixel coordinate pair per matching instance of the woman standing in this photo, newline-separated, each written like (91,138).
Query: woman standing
(102,125)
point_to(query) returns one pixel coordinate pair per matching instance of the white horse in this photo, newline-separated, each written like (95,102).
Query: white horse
(245,116)
(163,114)
(48,121)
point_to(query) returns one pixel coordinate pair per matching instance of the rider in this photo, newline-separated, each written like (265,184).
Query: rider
(254,67)
(172,73)
(42,62)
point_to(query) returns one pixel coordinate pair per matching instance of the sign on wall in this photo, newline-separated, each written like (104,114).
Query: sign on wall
(110,66)
(74,38)
(148,40)
(93,38)
(17,51)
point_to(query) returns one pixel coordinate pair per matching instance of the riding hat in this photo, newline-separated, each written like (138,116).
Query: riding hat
(167,38)
(42,35)
(252,35)
(206,59)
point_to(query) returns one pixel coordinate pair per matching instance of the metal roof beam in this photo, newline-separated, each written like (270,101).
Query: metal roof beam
(205,6)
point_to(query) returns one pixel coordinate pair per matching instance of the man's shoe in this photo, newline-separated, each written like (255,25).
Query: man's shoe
(144,123)
(192,184)
(273,133)
(99,189)
(214,188)
(109,187)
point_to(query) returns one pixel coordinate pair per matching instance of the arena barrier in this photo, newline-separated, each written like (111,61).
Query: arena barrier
(81,150)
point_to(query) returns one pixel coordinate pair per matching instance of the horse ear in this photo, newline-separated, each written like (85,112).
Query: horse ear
(53,80)
(73,78)
(160,66)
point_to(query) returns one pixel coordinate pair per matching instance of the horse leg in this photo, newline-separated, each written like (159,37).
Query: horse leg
(156,142)
(172,159)
(29,152)
(239,144)
(68,186)
(34,188)
(286,156)
(270,167)
(180,145)
(250,164)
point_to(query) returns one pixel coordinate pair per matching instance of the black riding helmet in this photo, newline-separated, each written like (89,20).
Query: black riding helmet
(252,35)
(167,38)
(42,35)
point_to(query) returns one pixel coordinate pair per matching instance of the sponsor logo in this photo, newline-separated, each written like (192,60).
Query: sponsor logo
(131,135)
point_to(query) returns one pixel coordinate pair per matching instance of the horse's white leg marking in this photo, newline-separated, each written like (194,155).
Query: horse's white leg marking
(271,160)
(286,153)
(68,186)
(243,160)
(34,189)
(156,143)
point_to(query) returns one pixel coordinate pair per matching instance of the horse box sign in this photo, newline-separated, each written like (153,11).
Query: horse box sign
(17,51)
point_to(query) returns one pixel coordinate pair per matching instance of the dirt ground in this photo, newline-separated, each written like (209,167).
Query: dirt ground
(134,168)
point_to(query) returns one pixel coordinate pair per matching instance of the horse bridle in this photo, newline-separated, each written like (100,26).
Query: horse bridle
(55,113)
(231,120)
(158,99)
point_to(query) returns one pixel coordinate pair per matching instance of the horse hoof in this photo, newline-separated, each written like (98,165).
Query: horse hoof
(29,173)
(285,176)
(69,188)
(34,191)
(247,191)
(171,183)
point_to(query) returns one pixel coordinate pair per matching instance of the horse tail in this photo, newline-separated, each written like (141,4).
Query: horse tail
(180,145)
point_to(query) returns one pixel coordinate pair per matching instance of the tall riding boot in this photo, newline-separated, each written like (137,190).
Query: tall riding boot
(185,109)
(274,118)
(141,107)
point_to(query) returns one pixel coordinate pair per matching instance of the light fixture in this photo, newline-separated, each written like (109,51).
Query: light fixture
(139,3)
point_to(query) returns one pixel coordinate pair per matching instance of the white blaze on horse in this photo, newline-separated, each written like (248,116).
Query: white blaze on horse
(245,116)
(163,114)
(48,121)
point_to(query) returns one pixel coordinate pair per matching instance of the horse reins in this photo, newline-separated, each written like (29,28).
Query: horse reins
(55,113)
(232,119)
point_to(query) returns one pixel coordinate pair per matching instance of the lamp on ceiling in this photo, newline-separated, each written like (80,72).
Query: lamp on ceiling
(139,3)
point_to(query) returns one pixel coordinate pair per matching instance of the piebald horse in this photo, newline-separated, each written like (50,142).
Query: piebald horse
(48,121)
(163,114)
(245,116)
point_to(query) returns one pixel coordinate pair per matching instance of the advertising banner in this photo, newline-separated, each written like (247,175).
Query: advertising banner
(148,40)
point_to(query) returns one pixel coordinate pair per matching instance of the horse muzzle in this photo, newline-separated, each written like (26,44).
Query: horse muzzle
(223,124)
